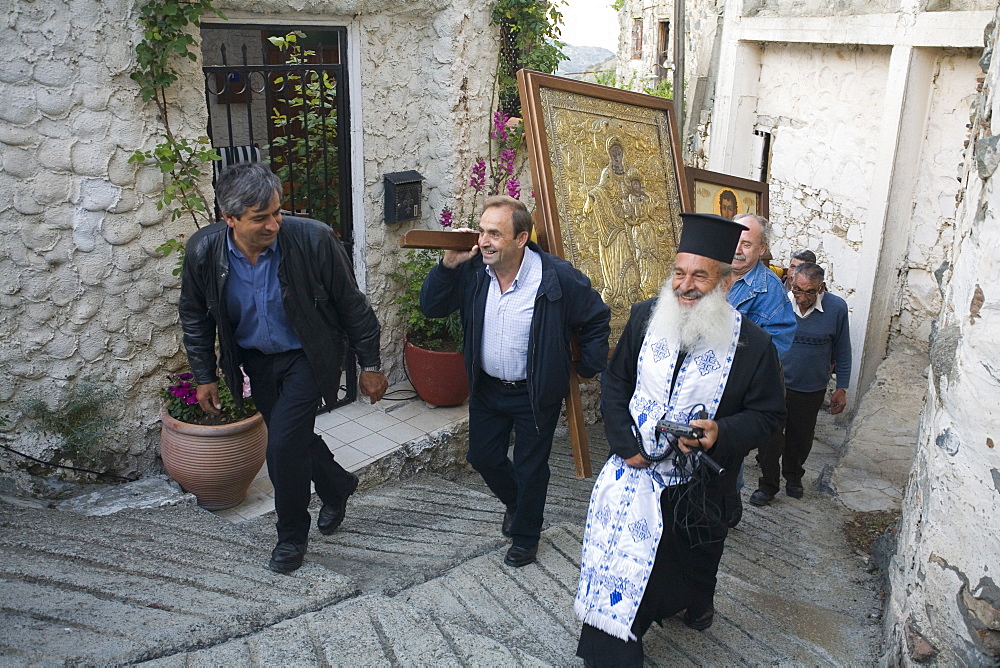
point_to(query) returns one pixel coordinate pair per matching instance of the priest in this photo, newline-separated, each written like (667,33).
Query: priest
(656,523)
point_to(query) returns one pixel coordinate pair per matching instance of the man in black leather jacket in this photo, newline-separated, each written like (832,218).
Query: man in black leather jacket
(279,294)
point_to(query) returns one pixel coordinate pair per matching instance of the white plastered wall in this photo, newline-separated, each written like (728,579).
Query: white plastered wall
(817,101)
(848,178)
(934,201)
(83,293)
(944,605)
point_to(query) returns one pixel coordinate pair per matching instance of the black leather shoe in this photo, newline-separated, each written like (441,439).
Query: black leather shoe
(286,557)
(700,623)
(330,515)
(508,519)
(794,491)
(761,498)
(735,514)
(518,556)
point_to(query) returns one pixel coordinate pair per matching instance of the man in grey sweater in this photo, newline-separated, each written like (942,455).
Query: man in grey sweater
(822,343)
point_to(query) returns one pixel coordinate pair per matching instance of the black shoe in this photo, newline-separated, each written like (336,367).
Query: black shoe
(520,556)
(700,623)
(330,515)
(286,557)
(508,519)
(794,491)
(736,514)
(761,498)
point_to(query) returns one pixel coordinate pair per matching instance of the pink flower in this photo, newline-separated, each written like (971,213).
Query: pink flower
(446,218)
(506,160)
(514,188)
(191,400)
(478,181)
(500,131)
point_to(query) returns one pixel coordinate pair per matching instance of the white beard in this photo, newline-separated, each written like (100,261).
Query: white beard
(706,323)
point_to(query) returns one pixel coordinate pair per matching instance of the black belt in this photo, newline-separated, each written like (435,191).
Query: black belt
(507,383)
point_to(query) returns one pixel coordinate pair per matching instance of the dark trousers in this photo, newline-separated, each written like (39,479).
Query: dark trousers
(521,484)
(683,578)
(792,446)
(287,395)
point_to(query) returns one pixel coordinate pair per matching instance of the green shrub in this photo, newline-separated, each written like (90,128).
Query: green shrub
(440,334)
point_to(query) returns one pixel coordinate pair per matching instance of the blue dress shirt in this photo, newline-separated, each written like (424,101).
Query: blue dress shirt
(760,296)
(253,301)
(507,325)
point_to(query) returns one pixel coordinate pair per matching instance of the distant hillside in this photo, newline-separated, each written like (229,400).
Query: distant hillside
(586,59)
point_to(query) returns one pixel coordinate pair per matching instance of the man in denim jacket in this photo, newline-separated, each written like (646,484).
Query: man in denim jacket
(758,294)
(756,291)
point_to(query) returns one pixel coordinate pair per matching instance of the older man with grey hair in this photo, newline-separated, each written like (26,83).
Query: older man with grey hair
(758,294)
(823,335)
(756,291)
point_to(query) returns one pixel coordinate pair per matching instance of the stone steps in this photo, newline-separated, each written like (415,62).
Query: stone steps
(413,577)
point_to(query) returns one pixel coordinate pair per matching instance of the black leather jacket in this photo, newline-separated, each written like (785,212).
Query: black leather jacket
(321,299)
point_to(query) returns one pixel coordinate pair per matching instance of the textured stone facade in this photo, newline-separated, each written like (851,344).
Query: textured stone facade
(83,293)
(935,194)
(944,607)
(817,102)
(862,105)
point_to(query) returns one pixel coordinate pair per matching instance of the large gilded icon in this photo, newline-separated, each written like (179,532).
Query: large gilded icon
(606,175)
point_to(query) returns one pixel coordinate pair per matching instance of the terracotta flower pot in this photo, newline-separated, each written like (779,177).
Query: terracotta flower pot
(439,378)
(216,463)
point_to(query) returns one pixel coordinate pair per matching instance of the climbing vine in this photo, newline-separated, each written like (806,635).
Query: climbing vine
(167,36)
(529,39)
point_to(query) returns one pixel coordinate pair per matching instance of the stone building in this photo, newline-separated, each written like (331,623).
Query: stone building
(944,605)
(857,113)
(87,302)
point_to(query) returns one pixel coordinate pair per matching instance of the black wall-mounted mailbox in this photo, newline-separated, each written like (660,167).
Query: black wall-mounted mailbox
(402,196)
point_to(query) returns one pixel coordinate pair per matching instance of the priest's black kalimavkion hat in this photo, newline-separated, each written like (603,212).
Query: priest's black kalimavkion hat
(710,236)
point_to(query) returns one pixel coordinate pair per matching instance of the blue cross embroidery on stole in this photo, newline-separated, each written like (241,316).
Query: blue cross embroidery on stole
(660,350)
(707,363)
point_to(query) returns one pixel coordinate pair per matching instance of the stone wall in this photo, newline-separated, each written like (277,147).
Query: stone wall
(818,103)
(934,202)
(818,7)
(84,295)
(944,606)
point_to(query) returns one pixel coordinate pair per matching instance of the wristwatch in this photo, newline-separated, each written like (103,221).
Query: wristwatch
(375,369)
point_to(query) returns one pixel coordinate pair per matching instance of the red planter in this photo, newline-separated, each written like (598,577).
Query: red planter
(438,378)
(215,463)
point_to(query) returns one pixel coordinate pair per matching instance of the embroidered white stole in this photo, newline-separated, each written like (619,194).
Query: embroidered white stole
(624,522)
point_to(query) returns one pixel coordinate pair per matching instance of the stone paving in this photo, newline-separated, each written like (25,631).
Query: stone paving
(413,577)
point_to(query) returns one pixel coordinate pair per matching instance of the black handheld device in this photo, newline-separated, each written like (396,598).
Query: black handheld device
(681,430)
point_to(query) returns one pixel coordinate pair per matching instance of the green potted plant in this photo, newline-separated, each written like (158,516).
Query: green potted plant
(215,457)
(432,347)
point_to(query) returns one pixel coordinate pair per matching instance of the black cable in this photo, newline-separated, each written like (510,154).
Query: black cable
(408,395)
(102,474)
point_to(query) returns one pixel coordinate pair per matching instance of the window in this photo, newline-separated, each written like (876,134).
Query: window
(663,49)
(636,39)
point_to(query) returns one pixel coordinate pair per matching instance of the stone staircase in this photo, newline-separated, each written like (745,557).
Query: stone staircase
(413,577)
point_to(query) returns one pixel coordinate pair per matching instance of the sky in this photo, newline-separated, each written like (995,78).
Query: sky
(590,23)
